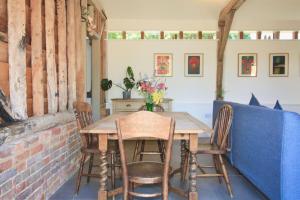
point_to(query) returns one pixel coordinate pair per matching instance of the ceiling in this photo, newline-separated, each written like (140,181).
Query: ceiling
(197,9)
(282,12)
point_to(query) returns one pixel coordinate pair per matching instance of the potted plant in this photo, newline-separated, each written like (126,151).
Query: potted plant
(128,82)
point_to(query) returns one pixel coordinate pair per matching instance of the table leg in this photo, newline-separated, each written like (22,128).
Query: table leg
(102,193)
(183,152)
(193,146)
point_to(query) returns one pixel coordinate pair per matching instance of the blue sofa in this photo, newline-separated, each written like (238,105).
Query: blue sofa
(265,148)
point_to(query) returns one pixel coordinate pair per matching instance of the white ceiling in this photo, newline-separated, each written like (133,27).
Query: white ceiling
(282,12)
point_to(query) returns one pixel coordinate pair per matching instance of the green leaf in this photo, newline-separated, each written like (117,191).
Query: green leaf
(129,84)
(106,84)
(130,73)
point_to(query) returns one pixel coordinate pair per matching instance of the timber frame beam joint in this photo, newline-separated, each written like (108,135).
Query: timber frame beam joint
(225,20)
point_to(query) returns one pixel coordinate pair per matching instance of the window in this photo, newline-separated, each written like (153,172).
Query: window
(286,35)
(114,35)
(250,35)
(171,35)
(190,35)
(233,35)
(267,35)
(210,35)
(133,35)
(152,35)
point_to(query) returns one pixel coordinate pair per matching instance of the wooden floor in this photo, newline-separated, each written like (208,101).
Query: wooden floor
(208,188)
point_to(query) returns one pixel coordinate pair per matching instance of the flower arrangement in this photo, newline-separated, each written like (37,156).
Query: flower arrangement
(153,90)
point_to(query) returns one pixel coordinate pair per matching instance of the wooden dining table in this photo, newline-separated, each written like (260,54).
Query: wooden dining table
(187,130)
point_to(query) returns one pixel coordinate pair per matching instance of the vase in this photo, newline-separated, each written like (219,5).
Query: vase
(126,94)
(149,107)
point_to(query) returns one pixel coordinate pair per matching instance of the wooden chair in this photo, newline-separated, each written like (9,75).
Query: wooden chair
(139,150)
(140,125)
(215,146)
(84,117)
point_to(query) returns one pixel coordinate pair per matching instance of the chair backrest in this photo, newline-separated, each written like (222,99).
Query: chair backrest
(222,126)
(156,108)
(141,125)
(83,112)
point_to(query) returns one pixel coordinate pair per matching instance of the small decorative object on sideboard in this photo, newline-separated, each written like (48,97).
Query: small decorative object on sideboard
(128,82)
(153,90)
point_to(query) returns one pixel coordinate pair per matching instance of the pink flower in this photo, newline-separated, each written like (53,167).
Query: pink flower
(161,86)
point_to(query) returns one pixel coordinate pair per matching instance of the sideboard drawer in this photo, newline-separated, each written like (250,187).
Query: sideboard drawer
(127,106)
(132,105)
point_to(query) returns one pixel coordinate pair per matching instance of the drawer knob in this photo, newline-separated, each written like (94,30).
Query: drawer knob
(128,105)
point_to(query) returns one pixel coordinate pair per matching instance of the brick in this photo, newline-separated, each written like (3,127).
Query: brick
(24,194)
(5,152)
(46,160)
(36,167)
(8,196)
(20,187)
(19,148)
(31,161)
(21,166)
(24,155)
(71,126)
(5,165)
(56,131)
(36,149)
(37,184)
(32,141)
(22,176)
(7,186)
(7,175)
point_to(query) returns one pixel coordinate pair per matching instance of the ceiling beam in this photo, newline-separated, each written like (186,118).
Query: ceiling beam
(225,21)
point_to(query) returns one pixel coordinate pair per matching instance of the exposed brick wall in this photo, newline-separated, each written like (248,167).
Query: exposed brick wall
(36,165)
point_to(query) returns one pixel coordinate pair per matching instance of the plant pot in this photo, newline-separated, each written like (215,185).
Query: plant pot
(126,94)
(149,107)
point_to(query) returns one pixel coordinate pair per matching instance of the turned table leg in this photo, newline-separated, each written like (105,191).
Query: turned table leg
(193,146)
(102,193)
(183,154)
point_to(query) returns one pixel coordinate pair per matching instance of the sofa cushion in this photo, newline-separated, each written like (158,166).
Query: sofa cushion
(254,101)
(278,106)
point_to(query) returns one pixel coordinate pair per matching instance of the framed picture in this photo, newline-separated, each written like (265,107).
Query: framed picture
(193,64)
(163,64)
(247,65)
(279,64)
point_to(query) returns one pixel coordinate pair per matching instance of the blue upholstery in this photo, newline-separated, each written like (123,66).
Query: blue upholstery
(265,147)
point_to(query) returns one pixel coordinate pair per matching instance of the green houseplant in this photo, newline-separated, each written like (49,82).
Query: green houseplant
(128,82)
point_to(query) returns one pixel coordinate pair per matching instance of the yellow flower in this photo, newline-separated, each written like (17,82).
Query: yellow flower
(157,97)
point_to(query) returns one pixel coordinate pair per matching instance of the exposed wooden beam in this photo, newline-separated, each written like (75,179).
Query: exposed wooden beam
(80,70)
(37,58)
(62,55)
(225,21)
(84,44)
(17,57)
(50,56)
(232,5)
(71,53)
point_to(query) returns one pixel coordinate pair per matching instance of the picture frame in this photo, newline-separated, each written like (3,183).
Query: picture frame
(247,65)
(194,64)
(279,65)
(163,64)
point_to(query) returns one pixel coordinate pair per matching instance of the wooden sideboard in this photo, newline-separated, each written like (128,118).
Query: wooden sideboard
(131,105)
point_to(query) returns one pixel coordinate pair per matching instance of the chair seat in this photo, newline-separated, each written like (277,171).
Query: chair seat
(209,149)
(145,172)
(204,147)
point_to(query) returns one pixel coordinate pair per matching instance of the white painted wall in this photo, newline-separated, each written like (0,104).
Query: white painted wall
(267,89)
(196,94)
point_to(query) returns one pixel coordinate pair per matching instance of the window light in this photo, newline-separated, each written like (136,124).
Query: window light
(286,35)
